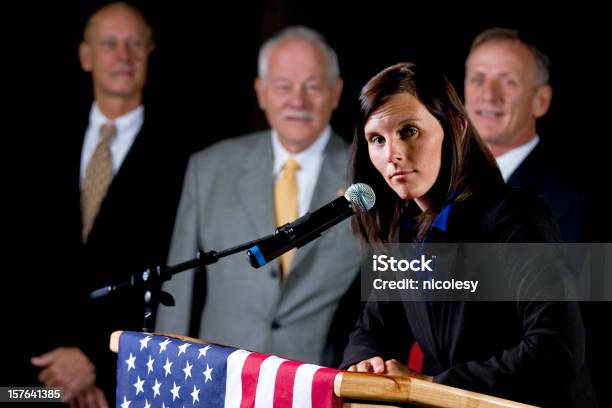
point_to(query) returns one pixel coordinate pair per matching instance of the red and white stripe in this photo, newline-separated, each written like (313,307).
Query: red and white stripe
(256,380)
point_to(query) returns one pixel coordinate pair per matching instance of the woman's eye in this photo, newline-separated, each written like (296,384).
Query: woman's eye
(377,140)
(409,131)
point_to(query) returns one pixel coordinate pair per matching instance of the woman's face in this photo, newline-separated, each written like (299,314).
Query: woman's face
(405,145)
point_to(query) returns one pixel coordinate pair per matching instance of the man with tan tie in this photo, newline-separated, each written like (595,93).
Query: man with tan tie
(125,183)
(242,189)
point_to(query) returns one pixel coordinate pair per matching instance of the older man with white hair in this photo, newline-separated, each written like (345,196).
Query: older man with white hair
(243,188)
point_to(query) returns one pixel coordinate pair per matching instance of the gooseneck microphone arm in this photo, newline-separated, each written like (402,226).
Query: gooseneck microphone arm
(299,232)
(149,282)
(358,197)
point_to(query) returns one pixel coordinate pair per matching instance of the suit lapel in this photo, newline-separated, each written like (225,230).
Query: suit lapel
(331,183)
(256,186)
(74,157)
(527,174)
(128,177)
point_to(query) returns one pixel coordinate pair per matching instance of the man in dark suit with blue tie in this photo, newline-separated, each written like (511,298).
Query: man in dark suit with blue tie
(506,91)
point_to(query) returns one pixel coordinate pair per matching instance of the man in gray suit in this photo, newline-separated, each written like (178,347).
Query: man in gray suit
(239,190)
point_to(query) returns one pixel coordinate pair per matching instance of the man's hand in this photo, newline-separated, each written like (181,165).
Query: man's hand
(92,397)
(66,367)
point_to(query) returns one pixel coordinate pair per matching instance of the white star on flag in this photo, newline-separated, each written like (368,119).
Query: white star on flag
(130,362)
(167,367)
(139,386)
(195,394)
(147,405)
(208,374)
(156,388)
(202,351)
(163,344)
(126,403)
(175,391)
(187,370)
(183,348)
(150,365)
(144,343)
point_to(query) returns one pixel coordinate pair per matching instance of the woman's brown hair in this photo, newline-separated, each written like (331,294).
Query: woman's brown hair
(466,165)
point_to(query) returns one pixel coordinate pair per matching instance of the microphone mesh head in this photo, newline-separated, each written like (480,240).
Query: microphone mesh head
(361,196)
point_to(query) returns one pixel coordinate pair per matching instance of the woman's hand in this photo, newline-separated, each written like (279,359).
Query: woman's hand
(372,365)
(394,367)
(377,365)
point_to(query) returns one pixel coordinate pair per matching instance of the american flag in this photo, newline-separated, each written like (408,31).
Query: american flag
(159,371)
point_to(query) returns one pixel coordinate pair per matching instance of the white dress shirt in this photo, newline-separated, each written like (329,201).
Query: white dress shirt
(310,161)
(509,161)
(128,127)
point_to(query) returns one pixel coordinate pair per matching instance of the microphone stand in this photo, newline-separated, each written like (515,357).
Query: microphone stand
(148,283)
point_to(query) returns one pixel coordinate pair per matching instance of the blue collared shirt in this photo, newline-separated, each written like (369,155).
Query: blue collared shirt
(440,223)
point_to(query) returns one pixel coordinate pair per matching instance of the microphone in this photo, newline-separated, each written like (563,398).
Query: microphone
(358,197)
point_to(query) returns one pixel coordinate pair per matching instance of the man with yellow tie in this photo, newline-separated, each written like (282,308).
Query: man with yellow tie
(243,188)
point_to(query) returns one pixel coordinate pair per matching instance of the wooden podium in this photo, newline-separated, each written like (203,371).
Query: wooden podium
(363,390)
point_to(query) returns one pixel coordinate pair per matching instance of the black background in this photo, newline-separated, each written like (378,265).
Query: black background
(203,69)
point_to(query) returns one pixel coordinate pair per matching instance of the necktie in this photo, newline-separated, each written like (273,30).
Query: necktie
(98,177)
(286,206)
